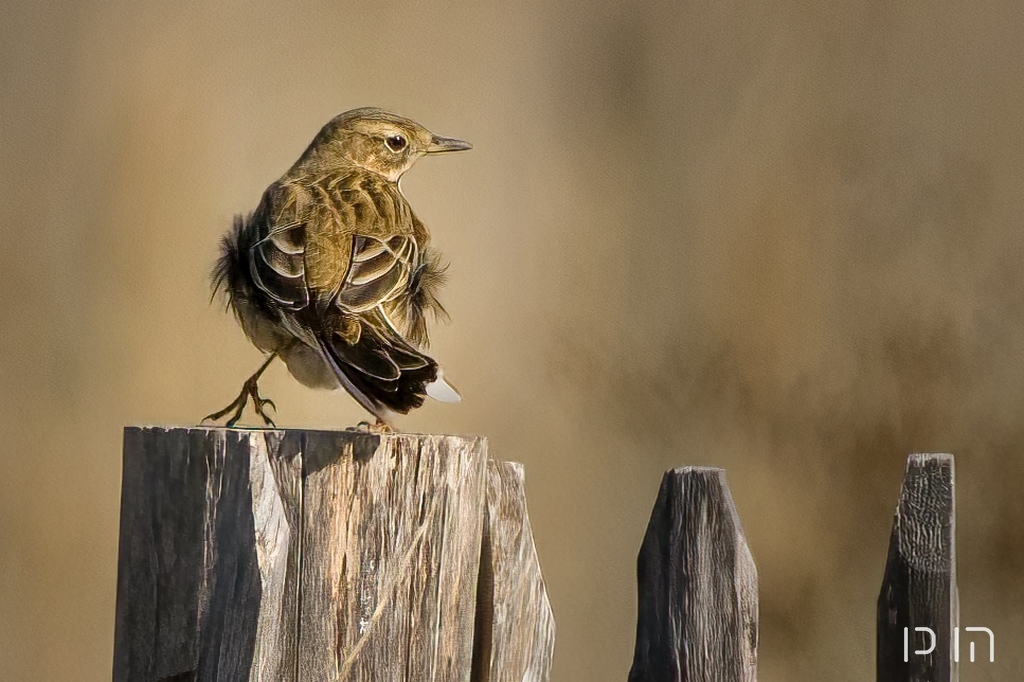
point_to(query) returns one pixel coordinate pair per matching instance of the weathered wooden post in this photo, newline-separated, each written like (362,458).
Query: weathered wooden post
(697,606)
(918,606)
(515,637)
(301,556)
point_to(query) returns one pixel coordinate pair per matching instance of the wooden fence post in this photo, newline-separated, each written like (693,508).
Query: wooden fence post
(515,628)
(697,605)
(919,588)
(302,556)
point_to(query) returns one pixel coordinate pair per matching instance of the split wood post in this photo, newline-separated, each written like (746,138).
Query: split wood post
(697,585)
(514,620)
(919,587)
(302,556)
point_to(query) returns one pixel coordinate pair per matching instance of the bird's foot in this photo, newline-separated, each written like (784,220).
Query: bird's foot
(259,403)
(380,427)
(250,389)
(238,405)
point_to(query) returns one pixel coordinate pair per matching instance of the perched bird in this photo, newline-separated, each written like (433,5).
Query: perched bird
(334,274)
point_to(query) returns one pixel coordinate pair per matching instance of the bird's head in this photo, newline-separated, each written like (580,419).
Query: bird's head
(378,141)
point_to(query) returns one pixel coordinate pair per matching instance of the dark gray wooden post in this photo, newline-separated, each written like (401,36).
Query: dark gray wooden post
(302,556)
(919,587)
(697,610)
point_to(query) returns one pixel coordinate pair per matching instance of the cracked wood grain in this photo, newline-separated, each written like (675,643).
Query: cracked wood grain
(919,586)
(391,550)
(697,586)
(208,555)
(293,555)
(515,627)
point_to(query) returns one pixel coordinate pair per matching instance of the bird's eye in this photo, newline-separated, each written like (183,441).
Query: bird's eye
(396,143)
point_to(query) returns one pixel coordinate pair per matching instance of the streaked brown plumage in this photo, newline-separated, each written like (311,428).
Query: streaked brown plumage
(334,273)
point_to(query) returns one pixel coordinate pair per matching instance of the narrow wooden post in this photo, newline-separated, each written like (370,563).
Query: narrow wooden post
(301,556)
(516,629)
(919,587)
(697,610)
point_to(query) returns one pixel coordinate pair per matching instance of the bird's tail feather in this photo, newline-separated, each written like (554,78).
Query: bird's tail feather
(440,389)
(368,404)
(383,372)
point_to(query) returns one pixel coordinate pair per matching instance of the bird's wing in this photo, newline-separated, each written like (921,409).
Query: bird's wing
(368,353)
(380,268)
(337,247)
(277,256)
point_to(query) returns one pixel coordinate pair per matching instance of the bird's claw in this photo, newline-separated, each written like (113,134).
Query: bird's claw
(238,405)
(380,427)
(259,403)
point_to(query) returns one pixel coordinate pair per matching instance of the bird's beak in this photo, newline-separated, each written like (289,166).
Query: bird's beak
(440,144)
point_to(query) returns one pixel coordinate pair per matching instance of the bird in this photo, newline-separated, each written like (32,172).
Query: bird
(335,275)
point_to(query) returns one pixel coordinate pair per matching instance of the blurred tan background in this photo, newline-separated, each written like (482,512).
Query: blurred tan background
(784,238)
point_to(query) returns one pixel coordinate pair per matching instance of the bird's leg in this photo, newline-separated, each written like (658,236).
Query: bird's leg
(249,390)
